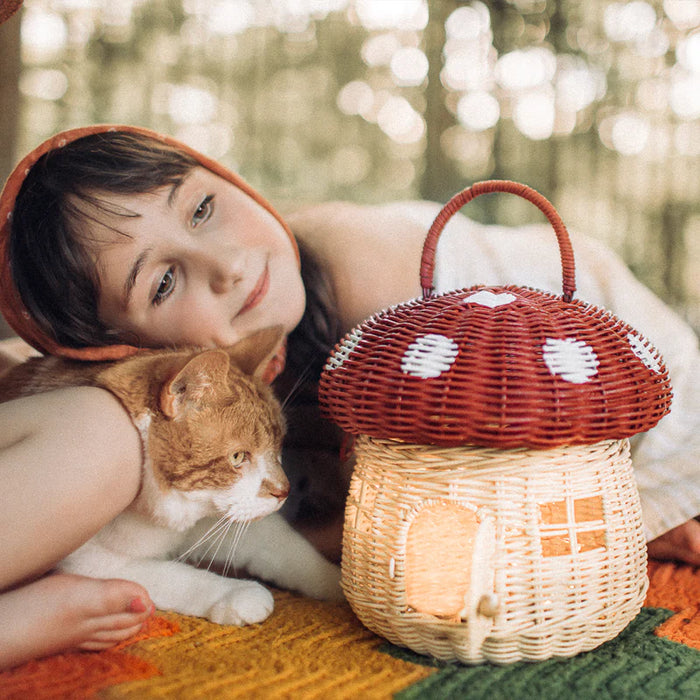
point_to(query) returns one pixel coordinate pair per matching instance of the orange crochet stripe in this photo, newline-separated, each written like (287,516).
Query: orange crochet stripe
(676,587)
(79,675)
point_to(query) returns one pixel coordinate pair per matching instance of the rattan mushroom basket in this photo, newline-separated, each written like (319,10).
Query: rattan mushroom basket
(493,513)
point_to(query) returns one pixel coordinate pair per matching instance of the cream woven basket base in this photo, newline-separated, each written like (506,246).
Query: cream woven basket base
(480,554)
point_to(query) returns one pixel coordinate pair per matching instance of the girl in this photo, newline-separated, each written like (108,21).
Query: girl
(116,238)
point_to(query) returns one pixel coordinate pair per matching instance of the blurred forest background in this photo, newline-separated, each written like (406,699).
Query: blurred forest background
(594,103)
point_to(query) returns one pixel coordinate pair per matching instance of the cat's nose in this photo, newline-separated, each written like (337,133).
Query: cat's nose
(276,489)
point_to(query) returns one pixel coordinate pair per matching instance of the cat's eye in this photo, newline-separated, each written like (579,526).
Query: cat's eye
(237,458)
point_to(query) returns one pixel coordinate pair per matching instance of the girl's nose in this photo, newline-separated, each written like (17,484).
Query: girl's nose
(221,281)
(224,270)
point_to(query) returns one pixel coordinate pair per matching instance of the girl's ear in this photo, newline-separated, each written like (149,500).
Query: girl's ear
(252,354)
(196,381)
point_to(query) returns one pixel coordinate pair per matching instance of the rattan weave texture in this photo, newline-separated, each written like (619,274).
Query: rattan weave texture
(482,554)
(8,8)
(493,513)
(503,366)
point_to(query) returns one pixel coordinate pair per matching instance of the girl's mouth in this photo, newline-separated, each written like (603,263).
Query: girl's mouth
(258,292)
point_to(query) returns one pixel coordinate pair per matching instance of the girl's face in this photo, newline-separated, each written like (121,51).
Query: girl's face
(202,264)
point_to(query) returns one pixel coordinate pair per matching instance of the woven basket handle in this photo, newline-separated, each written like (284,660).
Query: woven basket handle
(566,252)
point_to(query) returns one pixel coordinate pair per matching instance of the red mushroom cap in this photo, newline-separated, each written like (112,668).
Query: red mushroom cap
(502,366)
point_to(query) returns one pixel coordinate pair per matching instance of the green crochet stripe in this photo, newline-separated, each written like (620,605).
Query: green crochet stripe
(636,665)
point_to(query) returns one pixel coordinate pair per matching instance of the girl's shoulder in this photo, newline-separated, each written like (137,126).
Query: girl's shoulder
(371,252)
(337,221)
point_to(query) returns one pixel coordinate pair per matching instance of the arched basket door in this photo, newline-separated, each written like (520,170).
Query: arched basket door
(449,567)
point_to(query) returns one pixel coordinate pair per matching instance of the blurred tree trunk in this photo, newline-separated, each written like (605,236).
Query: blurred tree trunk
(438,174)
(9,99)
(674,219)
(9,92)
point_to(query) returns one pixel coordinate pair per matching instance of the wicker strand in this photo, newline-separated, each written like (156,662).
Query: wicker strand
(486,187)
(481,554)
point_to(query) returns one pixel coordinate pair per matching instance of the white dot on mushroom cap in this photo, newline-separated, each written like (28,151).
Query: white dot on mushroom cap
(644,352)
(486,298)
(570,359)
(347,345)
(428,356)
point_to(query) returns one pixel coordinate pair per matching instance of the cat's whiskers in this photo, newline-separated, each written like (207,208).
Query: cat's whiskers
(223,534)
(213,533)
(296,386)
(241,529)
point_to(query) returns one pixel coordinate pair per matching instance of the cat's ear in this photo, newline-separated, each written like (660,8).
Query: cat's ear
(253,354)
(196,381)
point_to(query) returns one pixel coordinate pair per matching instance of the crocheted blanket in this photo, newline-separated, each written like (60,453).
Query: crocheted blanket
(309,649)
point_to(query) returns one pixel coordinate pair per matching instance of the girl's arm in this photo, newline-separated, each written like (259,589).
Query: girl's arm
(70,461)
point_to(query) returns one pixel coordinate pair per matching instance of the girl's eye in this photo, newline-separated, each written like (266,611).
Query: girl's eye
(203,210)
(165,287)
(237,458)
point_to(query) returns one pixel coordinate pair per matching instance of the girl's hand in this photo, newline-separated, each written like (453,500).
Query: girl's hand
(680,544)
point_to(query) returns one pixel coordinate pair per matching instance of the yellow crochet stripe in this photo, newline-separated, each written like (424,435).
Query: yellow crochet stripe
(305,650)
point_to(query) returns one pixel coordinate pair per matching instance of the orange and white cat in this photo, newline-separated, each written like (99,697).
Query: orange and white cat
(212,437)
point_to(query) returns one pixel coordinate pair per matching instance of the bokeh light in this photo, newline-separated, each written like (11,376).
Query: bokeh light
(469,22)
(688,52)
(577,84)
(534,114)
(229,16)
(350,165)
(478,110)
(684,97)
(396,14)
(527,68)
(184,104)
(44,84)
(357,97)
(652,95)
(44,35)
(685,14)
(213,139)
(399,121)
(409,66)
(629,21)
(625,132)
(379,49)
(468,67)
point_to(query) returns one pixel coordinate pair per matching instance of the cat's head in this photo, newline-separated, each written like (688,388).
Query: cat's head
(213,435)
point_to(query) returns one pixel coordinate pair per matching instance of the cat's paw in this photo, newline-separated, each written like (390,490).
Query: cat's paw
(324,583)
(247,603)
